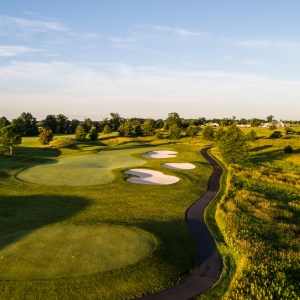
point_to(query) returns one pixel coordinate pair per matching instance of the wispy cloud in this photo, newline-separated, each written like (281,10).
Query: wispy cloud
(31,24)
(9,51)
(182,33)
(252,62)
(268,43)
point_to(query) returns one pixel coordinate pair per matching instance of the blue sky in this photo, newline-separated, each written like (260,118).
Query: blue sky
(147,58)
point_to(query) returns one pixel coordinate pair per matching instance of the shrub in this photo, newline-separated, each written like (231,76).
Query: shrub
(276,135)
(191,131)
(208,133)
(106,129)
(61,142)
(251,136)
(93,134)
(288,149)
(80,133)
(159,134)
(272,127)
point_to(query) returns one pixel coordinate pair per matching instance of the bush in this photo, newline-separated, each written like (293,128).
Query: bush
(208,133)
(80,133)
(93,134)
(159,134)
(288,149)
(106,129)
(251,136)
(272,127)
(191,131)
(61,142)
(276,135)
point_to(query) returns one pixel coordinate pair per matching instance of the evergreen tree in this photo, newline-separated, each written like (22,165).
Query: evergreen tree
(93,134)
(252,136)
(80,133)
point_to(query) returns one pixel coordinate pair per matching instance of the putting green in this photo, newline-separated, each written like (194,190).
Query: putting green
(69,251)
(80,170)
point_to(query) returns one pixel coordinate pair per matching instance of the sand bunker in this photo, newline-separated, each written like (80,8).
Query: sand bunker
(181,166)
(150,177)
(160,154)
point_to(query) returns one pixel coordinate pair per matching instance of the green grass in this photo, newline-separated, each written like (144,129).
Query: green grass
(159,211)
(257,223)
(70,250)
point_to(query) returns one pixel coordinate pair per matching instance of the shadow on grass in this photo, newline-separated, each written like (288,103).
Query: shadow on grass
(20,215)
(37,151)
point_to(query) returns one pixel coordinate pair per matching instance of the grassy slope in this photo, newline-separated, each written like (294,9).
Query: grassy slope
(259,224)
(158,210)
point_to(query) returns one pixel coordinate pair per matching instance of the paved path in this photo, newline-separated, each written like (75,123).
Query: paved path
(210,267)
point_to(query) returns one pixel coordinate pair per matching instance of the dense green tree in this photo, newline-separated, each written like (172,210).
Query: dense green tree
(106,129)
(50,122)
(45,136)
(115,121)
(87,124)
(173,118)
(62,123)
(288,149)
(3,122)
(148,127)
(10,137)
(80,133)
(174,132)
(252,136)
(269,118)
(93,134)
(233,145)
(73,125)
(219,133)
(208,133)
(159,124)
(191,131)
(26,124)
(137,129)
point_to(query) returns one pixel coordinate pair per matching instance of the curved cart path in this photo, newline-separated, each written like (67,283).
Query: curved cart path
(210,267)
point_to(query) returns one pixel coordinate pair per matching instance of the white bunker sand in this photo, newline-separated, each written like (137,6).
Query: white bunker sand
(181,166)
(150,177)
(160,154)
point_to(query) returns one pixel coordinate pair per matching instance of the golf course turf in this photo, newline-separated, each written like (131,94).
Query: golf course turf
(31,209)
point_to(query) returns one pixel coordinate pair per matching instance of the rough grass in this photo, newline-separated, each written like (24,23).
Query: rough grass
(258,224)
(158,210)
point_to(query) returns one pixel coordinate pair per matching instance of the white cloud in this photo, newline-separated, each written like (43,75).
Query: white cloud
(266,43)
(84,89)
(31,24)
(252,62)
(9,51)
(183,33)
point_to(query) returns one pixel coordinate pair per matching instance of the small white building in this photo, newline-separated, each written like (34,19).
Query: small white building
(212,124)
(244,125)
(275,123)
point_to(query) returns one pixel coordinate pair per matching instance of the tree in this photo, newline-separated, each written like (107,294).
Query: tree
(173,118)
(252,136)
(50,122)
(26,124)
(269,118)
(191,131)
(219,133)
(93,134)
(233,145)
(106,129)
(148,127)
(73,125)
(174,132)
(46,136)
(10,137)
(80,133)
(3,122)
(288,149)
(87,124)
(208,133)
(62,123)
(115,121)
(126,129)
(159,124)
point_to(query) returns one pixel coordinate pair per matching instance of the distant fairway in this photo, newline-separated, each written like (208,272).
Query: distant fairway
(80,170)
(69,250)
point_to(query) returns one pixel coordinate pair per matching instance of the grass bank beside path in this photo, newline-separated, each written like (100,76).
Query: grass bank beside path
(259,219)
(27,209)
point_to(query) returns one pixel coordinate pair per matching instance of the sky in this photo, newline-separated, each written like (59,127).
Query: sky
(142,58)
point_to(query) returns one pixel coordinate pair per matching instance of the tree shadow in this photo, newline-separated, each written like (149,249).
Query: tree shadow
(21,215)
(37,151)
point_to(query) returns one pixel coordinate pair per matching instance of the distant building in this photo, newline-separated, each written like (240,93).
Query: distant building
(212,124)
(275,123)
